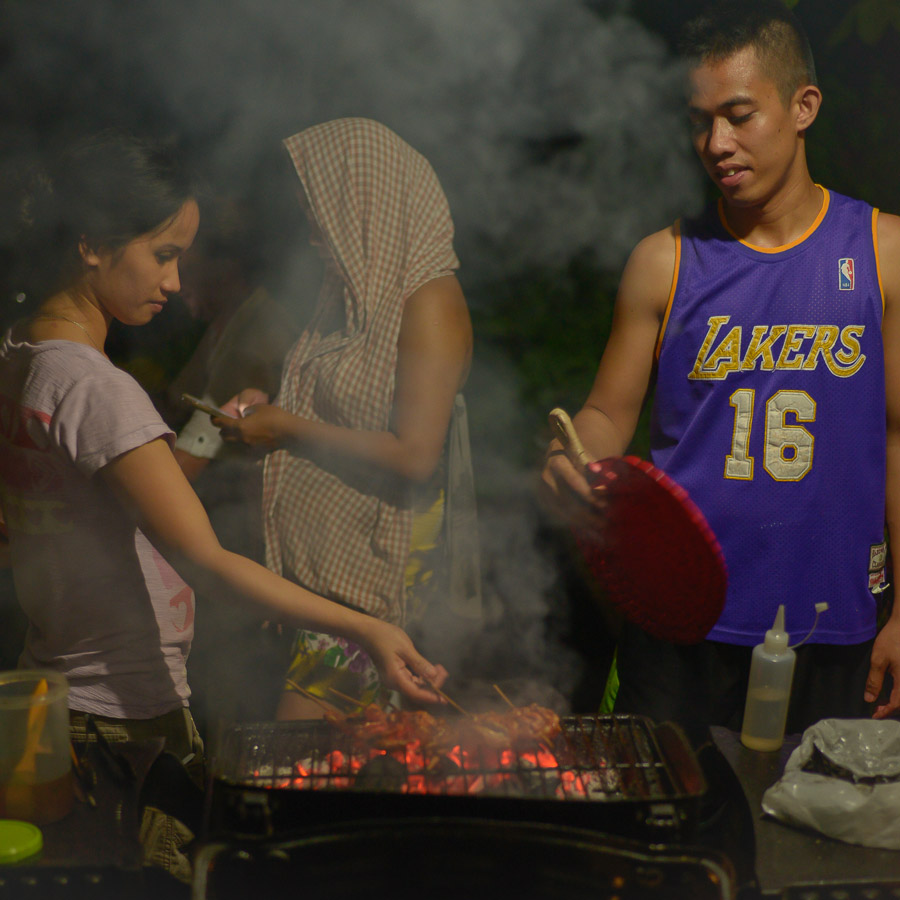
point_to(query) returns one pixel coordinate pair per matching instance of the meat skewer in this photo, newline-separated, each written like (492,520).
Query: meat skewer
(390,730)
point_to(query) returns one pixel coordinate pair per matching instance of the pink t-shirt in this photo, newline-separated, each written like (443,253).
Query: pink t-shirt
(104,607)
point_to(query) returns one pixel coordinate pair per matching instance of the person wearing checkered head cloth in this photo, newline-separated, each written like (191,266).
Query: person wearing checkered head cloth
(369,466)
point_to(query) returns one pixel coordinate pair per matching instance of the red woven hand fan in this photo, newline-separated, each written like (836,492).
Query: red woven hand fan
(657,559)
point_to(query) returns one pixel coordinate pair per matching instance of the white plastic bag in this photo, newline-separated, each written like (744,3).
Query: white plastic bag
(843,780)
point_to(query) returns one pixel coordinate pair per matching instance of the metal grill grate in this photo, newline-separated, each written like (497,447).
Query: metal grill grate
(605,758)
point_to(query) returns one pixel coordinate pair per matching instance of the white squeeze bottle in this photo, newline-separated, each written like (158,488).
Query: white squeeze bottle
(769,689)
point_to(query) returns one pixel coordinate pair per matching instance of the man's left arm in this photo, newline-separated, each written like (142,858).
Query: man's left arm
(886,651)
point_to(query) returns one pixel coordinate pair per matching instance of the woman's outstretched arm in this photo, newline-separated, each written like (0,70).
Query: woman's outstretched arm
(151,486)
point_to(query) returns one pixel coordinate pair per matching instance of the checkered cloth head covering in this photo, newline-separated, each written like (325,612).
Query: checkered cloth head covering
(342,529)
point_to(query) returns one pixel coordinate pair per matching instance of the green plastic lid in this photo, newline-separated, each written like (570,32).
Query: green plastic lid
(19,840)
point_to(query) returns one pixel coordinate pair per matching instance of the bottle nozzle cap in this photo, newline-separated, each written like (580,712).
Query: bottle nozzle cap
(776,637)
(778,624)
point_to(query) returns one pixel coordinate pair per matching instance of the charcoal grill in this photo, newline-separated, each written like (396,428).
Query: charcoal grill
(410,859)
(619,774)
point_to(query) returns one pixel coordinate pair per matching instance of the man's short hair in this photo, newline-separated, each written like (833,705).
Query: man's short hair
(768,26)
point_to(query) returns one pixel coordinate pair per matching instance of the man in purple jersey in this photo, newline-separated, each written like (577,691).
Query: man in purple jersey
(752,96)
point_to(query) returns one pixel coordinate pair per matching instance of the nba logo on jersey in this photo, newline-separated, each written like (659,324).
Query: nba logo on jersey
(845,274)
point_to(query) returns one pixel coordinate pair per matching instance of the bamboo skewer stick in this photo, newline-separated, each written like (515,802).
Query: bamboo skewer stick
(355,701)
(509,702)
(346,697)
(328,707)
(449,700)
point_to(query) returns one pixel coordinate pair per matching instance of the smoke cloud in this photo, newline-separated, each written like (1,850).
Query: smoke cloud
(554,126)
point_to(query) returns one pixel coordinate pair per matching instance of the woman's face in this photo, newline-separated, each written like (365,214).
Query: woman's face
(316,238)
(133,284)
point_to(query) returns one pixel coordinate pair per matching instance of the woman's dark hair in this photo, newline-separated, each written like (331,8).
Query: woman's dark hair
(102,191)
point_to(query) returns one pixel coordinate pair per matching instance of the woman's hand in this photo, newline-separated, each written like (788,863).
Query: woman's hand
(263,425)
(238,405)
(258,423)
(400,665)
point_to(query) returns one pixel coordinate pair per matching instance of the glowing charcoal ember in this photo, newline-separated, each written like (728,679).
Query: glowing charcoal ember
(477,785)
(416,784)
(571,784)
(419,768)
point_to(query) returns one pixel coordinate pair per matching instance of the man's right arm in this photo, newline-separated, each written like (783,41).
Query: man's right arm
(607,421)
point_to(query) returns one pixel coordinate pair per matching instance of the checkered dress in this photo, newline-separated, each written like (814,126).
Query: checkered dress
(342,531)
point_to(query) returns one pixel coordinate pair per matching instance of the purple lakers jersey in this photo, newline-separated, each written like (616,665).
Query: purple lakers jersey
(770,411)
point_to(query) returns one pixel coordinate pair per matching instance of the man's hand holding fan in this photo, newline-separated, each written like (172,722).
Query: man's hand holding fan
(655,555)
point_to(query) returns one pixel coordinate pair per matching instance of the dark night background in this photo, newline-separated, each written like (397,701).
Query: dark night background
(556,129)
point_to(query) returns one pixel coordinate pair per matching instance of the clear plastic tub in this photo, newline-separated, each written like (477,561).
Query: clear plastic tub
(35,756)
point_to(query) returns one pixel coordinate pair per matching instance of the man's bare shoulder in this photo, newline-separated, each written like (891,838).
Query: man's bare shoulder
(650,269)
(658,244)
(888,231)
(888,227)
